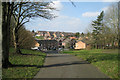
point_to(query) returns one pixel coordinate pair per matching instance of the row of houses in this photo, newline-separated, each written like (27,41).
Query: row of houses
(55,40)
(66,40)
(55,45)
(50,35)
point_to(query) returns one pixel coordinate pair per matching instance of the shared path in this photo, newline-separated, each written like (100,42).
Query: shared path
(67,66)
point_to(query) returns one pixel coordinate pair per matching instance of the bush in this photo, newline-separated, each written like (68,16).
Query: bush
(25,39)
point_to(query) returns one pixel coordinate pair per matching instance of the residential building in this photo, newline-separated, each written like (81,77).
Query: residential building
(48,44)
(80,45)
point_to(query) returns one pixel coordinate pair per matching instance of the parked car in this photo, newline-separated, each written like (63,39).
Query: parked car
(34,48)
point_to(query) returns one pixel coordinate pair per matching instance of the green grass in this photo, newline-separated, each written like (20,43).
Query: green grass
(27,65)
(105,60)
(40,37)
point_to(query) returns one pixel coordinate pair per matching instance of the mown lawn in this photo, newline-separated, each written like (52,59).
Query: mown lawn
(25,66)
(105,60)
(40,37)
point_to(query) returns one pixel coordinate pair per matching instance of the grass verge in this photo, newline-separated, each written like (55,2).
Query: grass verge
(25,66)
(105,60)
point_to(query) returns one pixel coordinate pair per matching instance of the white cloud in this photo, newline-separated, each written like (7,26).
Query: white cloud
(90,14)
(61,23)
(87,0)
(57,4)
(110,0)
(105,8)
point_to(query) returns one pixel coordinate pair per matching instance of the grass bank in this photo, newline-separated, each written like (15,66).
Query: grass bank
(105,60)
(26,65)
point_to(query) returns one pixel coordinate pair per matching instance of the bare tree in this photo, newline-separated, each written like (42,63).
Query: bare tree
(108,36)
(24,11)
(7,9)
(111,21)
(26,39)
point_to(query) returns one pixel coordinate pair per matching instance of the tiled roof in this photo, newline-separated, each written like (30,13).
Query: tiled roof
(46,41)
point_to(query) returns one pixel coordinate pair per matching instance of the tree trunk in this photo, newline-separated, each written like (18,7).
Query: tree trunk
(96,46)
(0,39)
(5,34)
(16,43)
(113,46)
(15,34)
(103,45)
(17,48)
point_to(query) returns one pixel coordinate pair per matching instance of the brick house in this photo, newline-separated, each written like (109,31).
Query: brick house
(37,44)
(72,38)
(80,45)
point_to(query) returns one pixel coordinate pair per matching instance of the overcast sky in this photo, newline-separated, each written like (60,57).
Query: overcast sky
(70,18)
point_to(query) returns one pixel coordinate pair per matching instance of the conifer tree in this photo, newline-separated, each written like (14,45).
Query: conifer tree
(97,24)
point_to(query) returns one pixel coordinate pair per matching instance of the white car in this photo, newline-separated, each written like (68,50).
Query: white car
(35,48)
(60,49)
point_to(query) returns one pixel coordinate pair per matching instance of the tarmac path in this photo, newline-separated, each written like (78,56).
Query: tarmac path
(67,66)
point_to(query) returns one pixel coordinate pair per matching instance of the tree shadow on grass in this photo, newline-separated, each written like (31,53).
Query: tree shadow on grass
(22,65)
(33,54)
